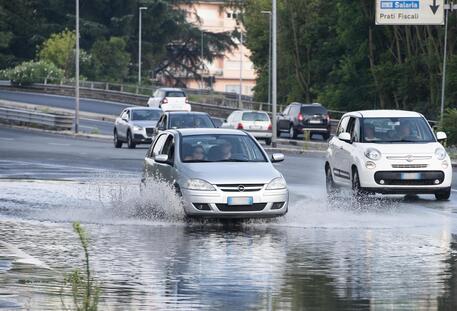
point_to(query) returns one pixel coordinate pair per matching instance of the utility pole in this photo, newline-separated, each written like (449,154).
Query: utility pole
(240,95)
(76,127)
(273,74)
(203,65)
(140,9)
(269,55)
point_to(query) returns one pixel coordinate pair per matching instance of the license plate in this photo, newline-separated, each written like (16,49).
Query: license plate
(410,176)
(240,201)
(315,121)
(255,127)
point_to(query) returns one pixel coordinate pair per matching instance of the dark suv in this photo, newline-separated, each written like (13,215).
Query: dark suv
(298,117)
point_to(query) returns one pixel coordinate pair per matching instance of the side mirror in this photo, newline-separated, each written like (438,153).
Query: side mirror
(277,157)
(125,119)
(346,137)
(440,136)
(161,158)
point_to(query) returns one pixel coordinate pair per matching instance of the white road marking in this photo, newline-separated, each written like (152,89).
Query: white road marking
(8,139)
(454,190)
(58,144)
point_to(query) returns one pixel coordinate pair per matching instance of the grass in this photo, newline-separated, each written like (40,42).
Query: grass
(95,130)
(84,289)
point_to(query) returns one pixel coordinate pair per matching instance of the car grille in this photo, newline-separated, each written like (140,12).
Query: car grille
(257,207)
(409,165)
(150,131)
(394,178)
(240,187)
(408,157)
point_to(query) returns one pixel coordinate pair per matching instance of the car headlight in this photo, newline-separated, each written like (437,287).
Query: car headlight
(440,154)
(373,154)
(137,128)
(199,184)
(277,183)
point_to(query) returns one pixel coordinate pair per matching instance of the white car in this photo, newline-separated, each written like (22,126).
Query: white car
(257,123)
(388,151)
(169,99)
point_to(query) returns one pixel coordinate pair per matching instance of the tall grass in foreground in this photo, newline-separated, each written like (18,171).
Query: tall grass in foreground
(84,289)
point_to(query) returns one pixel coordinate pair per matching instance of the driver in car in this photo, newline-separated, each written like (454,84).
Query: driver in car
(226,150)
(405,131)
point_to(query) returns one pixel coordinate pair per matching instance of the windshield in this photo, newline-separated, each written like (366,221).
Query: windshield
(145,114)
(255,116)
(175,94)
(396,130)
(188,120)
(220,148)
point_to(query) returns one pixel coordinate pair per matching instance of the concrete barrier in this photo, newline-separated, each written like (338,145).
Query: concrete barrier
(36,119)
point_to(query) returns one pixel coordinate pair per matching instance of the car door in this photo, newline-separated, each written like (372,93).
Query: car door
(123,124)
(150,167)
(348,148)
(167,171)
(336,154)
(283,120)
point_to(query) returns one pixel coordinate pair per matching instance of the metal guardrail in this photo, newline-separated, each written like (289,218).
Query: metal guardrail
(34,118)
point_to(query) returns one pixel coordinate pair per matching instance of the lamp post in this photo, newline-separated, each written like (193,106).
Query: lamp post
(140,9)
(240,95)
(269,55)
(203,64)
(273,69)
(76,125)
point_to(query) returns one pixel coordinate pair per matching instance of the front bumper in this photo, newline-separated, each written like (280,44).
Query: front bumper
(387,177)
(214,203)
(261,134)
(143,136)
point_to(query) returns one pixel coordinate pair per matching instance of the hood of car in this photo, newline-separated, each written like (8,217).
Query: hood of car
(405,149)
(148,123)
(231,172)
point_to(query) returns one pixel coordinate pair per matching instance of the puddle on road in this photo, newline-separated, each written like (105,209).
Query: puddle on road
(385,253)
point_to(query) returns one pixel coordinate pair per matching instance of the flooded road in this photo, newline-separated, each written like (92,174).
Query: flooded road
(384,253)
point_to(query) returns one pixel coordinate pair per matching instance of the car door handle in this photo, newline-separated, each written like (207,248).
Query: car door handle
(341,147)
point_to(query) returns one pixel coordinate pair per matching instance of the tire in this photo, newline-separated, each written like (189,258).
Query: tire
(117,142)
(329,182)
(268,141)
(130,143)
(357,190)
(292,132)
(443,195)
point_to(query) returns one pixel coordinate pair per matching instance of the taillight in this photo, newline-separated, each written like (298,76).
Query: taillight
(239,126)
(300,117)
(165,101)
(270,127)
(327,116)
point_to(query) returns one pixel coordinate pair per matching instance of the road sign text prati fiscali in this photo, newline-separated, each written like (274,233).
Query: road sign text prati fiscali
(413,12)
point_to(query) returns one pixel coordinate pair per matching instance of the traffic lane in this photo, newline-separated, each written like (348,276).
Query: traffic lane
(96,126)
(28,149)
(66,102)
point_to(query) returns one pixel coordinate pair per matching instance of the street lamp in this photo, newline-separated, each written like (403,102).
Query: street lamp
(269,56)
(273,69)
(140,9)
(77,71)
(240,98)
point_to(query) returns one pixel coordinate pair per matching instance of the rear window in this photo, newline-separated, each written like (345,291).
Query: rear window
(175,94)
(312,110)
(189,120)
(255,116)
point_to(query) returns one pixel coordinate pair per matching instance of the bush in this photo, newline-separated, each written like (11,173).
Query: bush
(33,72)
(449,126)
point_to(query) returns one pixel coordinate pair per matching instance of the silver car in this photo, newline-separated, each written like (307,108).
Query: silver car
(218,173)
(135,126)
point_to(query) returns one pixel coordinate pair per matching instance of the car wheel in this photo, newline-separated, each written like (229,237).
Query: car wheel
(357,190)
(130,142)
(117,142)
(443,195)
(292,132)
(268,141)
(329,183)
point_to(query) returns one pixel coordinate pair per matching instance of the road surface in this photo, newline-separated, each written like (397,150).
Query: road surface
(385,253)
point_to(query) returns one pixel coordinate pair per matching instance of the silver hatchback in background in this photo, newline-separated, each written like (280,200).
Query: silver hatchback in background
(135,125)
(219,173)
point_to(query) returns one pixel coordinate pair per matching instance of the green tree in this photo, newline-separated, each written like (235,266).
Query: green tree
(59,50)
(110,59)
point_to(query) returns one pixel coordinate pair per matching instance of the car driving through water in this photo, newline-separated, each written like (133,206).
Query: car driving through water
(218,173)
(388,151)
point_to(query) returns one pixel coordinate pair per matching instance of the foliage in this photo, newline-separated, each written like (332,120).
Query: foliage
(59,50)
(33,72)
(333,53)
(449,126)
(110,59)
(84,289)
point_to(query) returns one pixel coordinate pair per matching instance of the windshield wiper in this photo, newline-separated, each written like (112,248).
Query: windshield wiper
(233,160)
(197,161)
